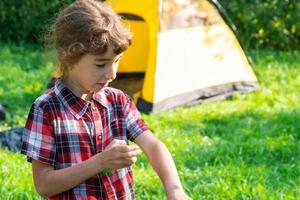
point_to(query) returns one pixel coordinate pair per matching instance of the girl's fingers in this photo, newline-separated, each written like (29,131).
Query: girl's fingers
(116,142)
(131,154)
(125,149)
(119,141)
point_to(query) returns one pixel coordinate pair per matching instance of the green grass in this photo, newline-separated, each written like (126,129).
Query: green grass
(15,177)
(25,72)
(245,148)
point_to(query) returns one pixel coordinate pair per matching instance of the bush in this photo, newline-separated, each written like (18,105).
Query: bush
(24,21)
(268,24)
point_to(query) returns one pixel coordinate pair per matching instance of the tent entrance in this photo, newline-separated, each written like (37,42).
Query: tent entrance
(130,83)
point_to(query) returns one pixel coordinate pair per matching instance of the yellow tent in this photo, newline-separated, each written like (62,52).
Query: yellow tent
(183,52)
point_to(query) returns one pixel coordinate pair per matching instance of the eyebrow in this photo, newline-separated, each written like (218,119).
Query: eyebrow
(102,59)
(106,59)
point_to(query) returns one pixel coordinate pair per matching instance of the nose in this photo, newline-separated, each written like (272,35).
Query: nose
(111,72)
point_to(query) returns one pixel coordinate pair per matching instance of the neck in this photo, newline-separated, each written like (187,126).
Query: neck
(77,89)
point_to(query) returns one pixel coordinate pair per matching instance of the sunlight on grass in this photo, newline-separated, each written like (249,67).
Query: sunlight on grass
(16,177)
(245,148)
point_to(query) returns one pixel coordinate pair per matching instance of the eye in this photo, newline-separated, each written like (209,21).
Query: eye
(100,66)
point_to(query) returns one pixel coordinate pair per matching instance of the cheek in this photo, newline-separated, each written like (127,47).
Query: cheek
(87,78)
(92,73)
(95,75)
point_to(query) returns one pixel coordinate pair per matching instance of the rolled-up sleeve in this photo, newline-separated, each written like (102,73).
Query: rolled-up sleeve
(38,138)
(134,123)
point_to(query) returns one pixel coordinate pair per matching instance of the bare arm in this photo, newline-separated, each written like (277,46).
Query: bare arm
(162,162)
(49,182)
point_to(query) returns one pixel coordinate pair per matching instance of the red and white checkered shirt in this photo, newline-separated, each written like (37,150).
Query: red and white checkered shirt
(63,130)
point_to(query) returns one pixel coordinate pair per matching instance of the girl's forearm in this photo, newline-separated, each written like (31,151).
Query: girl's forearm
(163,163)
(52,182)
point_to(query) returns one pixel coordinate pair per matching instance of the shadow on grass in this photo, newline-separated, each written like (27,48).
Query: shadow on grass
(253,138)
(246,143)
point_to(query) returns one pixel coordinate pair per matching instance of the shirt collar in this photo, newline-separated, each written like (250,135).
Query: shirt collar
(74,104)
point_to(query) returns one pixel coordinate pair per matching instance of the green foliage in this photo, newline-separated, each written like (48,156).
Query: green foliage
(268,24)
(26,20)
(245,148)
(25,72)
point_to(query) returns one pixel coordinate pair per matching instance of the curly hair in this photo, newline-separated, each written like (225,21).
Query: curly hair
(86,26)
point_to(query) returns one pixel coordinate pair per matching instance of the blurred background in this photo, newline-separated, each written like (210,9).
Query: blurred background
(267,24)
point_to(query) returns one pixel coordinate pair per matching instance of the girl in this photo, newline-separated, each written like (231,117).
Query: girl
(79,128)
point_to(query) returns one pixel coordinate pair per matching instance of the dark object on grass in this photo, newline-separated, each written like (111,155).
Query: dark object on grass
(11,139)
(2,112)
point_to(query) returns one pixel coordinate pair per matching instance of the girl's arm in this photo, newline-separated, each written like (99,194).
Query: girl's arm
(162,162)
(49,182)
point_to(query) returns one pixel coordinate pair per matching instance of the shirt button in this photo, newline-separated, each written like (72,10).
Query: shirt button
(94,108)
(34,154)
(100,137)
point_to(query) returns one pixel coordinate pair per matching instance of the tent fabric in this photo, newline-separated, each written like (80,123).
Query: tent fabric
(213,93)
(185,50)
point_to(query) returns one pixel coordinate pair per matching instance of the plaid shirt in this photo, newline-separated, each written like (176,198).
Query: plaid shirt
(63,130)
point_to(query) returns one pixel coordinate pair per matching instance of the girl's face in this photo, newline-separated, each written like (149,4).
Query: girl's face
(93,72)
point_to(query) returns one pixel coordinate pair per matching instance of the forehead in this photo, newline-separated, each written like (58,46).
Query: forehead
(108,55)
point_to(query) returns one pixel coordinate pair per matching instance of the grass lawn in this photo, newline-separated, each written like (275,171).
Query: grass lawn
(245,148)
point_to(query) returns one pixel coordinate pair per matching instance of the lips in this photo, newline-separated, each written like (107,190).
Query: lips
(102,84)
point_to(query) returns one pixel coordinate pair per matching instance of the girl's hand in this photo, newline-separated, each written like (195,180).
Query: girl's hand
(177,195)
(119,155)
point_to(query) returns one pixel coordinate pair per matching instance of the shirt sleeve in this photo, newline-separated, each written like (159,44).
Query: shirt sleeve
(134,123)
(38,139)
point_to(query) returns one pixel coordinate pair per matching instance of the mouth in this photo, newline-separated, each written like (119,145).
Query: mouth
(102,84)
